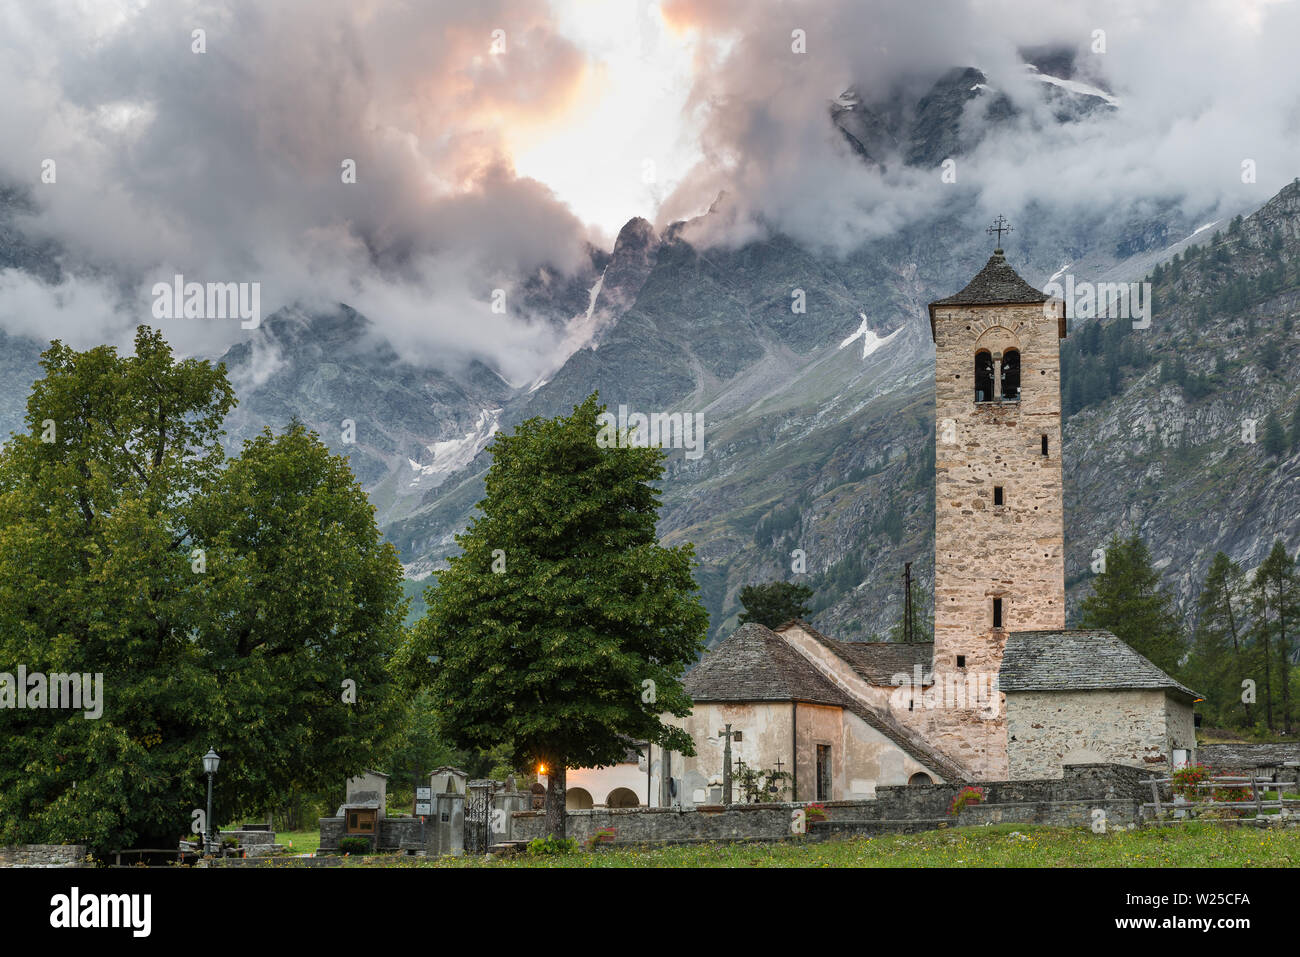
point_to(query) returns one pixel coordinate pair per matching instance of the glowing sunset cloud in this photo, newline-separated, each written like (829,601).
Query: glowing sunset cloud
(626,140)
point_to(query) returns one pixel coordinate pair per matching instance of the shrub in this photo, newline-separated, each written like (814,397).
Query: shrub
(967,795)
(604,836)
(550,844)
(816,812)
(354,845)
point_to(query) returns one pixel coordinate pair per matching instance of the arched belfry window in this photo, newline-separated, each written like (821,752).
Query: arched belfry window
(983,376)
(1010,375)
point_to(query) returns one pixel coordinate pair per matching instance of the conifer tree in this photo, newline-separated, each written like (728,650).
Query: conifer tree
(1274,437)
(1220,660)
(1127,601)
(1275,604)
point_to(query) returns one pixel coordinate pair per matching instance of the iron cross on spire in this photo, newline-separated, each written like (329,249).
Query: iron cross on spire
(999,227)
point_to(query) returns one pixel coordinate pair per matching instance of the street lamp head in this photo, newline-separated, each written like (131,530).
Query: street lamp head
(210,762)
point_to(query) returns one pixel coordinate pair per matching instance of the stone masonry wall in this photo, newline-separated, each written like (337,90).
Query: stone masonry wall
(1047,729)
(43,855)
(394,833)
(1014,551)
(1065,801)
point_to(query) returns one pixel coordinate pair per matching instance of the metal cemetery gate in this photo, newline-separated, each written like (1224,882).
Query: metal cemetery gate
(478,822)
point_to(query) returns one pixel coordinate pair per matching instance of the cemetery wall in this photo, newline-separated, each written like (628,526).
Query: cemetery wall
(1067,801)
(394,833)
(43,855)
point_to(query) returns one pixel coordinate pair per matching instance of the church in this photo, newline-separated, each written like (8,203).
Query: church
(1005,691)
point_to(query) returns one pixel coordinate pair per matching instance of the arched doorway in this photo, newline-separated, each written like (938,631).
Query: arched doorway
(622,797)
(918,779)
(577,799)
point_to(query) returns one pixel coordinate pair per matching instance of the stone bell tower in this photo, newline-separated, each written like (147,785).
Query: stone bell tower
(999,560)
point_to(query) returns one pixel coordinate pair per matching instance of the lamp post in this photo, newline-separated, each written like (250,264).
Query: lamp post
(211,761)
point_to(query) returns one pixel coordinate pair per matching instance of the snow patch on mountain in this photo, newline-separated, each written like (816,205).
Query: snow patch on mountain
(870,341)
(454,454)
(1072,86)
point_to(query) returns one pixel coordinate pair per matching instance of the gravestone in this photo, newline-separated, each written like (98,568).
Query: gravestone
(369,790)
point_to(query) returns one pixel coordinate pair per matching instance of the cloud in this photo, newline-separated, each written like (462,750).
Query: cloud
(226,165)
(1201,87)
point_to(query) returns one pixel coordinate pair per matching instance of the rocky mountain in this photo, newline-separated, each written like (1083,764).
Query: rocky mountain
(1166,426)
(959,110)
(815,377)
(819,426)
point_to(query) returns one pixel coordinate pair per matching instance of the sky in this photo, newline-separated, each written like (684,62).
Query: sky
(500,137)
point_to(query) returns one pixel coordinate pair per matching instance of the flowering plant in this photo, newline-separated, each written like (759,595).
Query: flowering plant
(1187,780)
(967,795)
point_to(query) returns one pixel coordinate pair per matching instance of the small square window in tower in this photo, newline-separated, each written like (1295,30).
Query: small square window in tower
(997,612)
(1044,445)
(961,661)
(997,495)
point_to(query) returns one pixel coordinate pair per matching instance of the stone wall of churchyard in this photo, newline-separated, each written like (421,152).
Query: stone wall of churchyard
(43,855)
(1071,800)
(394,833)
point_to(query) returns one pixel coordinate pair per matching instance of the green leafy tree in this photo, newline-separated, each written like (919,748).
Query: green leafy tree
(1220,658)
(774,603)
(127,549)
(418,748)
(1275,604)
(300,612)
(563,628)
(1127,601)
(93,579)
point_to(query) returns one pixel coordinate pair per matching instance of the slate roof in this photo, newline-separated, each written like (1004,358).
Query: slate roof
(754,663)
(1235,755)
(1078,660)
(994,285)
(878,661)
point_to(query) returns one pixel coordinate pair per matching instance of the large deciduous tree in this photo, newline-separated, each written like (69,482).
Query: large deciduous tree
(223,607)
(563,628)
(301,611)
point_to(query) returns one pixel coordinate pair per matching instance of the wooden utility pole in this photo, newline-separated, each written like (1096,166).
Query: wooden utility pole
(907,603)
(726,764)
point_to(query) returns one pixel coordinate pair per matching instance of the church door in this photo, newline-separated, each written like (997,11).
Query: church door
(823,772)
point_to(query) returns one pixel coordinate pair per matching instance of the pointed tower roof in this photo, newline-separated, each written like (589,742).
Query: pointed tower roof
(995,285)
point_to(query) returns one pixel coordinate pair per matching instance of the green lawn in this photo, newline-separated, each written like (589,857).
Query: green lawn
(1003,845)
(304,842)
